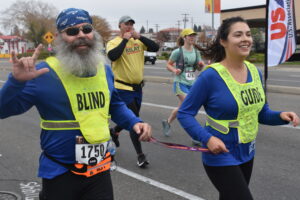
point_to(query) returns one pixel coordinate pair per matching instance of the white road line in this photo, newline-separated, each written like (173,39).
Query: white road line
(166,107)
(160,68)
(203,113)
(297,76)
(282,80)
(158,184)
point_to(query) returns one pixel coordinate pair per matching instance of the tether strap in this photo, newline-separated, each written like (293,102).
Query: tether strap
(68,166)
(179,146)
(220,127)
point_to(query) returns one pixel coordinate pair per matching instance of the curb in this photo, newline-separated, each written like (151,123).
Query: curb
(270,88)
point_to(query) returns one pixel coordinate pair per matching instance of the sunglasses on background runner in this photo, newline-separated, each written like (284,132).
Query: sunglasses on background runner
(72,31)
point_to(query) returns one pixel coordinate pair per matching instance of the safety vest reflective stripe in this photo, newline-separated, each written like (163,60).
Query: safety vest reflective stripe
(59,125)
(219,124)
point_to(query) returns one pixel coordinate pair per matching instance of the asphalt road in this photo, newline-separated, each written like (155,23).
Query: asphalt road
(283,75)
(172,174)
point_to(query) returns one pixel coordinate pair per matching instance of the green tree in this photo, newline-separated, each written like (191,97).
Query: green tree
(258,42)
(142,30)
(151,30)
(199,28)
(195,28)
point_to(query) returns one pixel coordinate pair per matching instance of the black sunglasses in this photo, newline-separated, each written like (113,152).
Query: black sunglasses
(72,31)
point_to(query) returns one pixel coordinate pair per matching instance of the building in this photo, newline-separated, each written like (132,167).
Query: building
(12,43)
(256,16)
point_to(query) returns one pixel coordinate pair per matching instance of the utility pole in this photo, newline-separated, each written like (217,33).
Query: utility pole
(178,24)
(185,19)
(147,30)
(192,22)
(156,26)
(212,13)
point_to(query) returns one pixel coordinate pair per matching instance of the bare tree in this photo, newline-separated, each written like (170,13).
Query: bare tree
(16,31)
(102,27)
(33,17)
(163,36)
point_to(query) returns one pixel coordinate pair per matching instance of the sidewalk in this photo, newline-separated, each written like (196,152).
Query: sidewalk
(284,67)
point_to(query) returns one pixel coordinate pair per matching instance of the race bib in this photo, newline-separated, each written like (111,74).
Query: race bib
(89,154)
(251,147)
(190,75)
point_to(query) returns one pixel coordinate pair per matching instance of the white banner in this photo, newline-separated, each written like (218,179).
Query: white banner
(281,31)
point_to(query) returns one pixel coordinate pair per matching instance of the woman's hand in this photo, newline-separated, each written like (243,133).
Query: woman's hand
(290,117)
(216,146)
(177,71)
(200,65)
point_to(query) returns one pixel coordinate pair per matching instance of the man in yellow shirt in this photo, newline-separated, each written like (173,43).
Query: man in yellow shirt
(126,52)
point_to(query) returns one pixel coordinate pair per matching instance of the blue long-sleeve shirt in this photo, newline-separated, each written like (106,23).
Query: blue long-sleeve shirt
(211,92)
(47,93)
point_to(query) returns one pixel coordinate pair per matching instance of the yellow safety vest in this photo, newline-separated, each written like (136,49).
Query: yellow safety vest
(250,98)
(89,98)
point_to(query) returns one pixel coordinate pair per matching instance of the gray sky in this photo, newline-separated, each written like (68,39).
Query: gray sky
(164,13)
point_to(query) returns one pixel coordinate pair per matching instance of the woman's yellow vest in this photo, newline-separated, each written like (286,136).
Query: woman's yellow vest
(250,99)
(89,98)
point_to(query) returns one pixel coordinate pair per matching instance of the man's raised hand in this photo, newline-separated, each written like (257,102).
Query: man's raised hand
(24,68)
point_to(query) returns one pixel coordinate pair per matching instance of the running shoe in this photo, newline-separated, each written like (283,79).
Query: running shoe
(166,128)
(113,165)
(114,137)
(142,161)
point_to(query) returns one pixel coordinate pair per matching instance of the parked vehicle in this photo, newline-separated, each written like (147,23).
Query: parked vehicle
(150,57)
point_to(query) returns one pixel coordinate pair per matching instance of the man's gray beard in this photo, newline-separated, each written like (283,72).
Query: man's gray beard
(81,63)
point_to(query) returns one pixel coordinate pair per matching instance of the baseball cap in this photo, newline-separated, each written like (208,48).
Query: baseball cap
(125,19)
(187,31)
(71,17)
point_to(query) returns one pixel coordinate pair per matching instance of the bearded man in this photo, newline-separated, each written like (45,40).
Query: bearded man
(75,97)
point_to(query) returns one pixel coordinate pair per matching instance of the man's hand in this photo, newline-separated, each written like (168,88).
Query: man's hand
(135,35)
(127,35)
(216,146)
(144,130)
(24,68)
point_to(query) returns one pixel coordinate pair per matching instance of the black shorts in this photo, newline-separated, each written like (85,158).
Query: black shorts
(69,186)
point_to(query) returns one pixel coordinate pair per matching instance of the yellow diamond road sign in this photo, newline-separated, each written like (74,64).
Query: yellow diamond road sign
(49,37)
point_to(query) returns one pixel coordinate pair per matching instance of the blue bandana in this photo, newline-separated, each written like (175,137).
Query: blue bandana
(71,17)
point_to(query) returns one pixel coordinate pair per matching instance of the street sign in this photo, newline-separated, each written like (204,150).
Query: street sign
(49,37)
